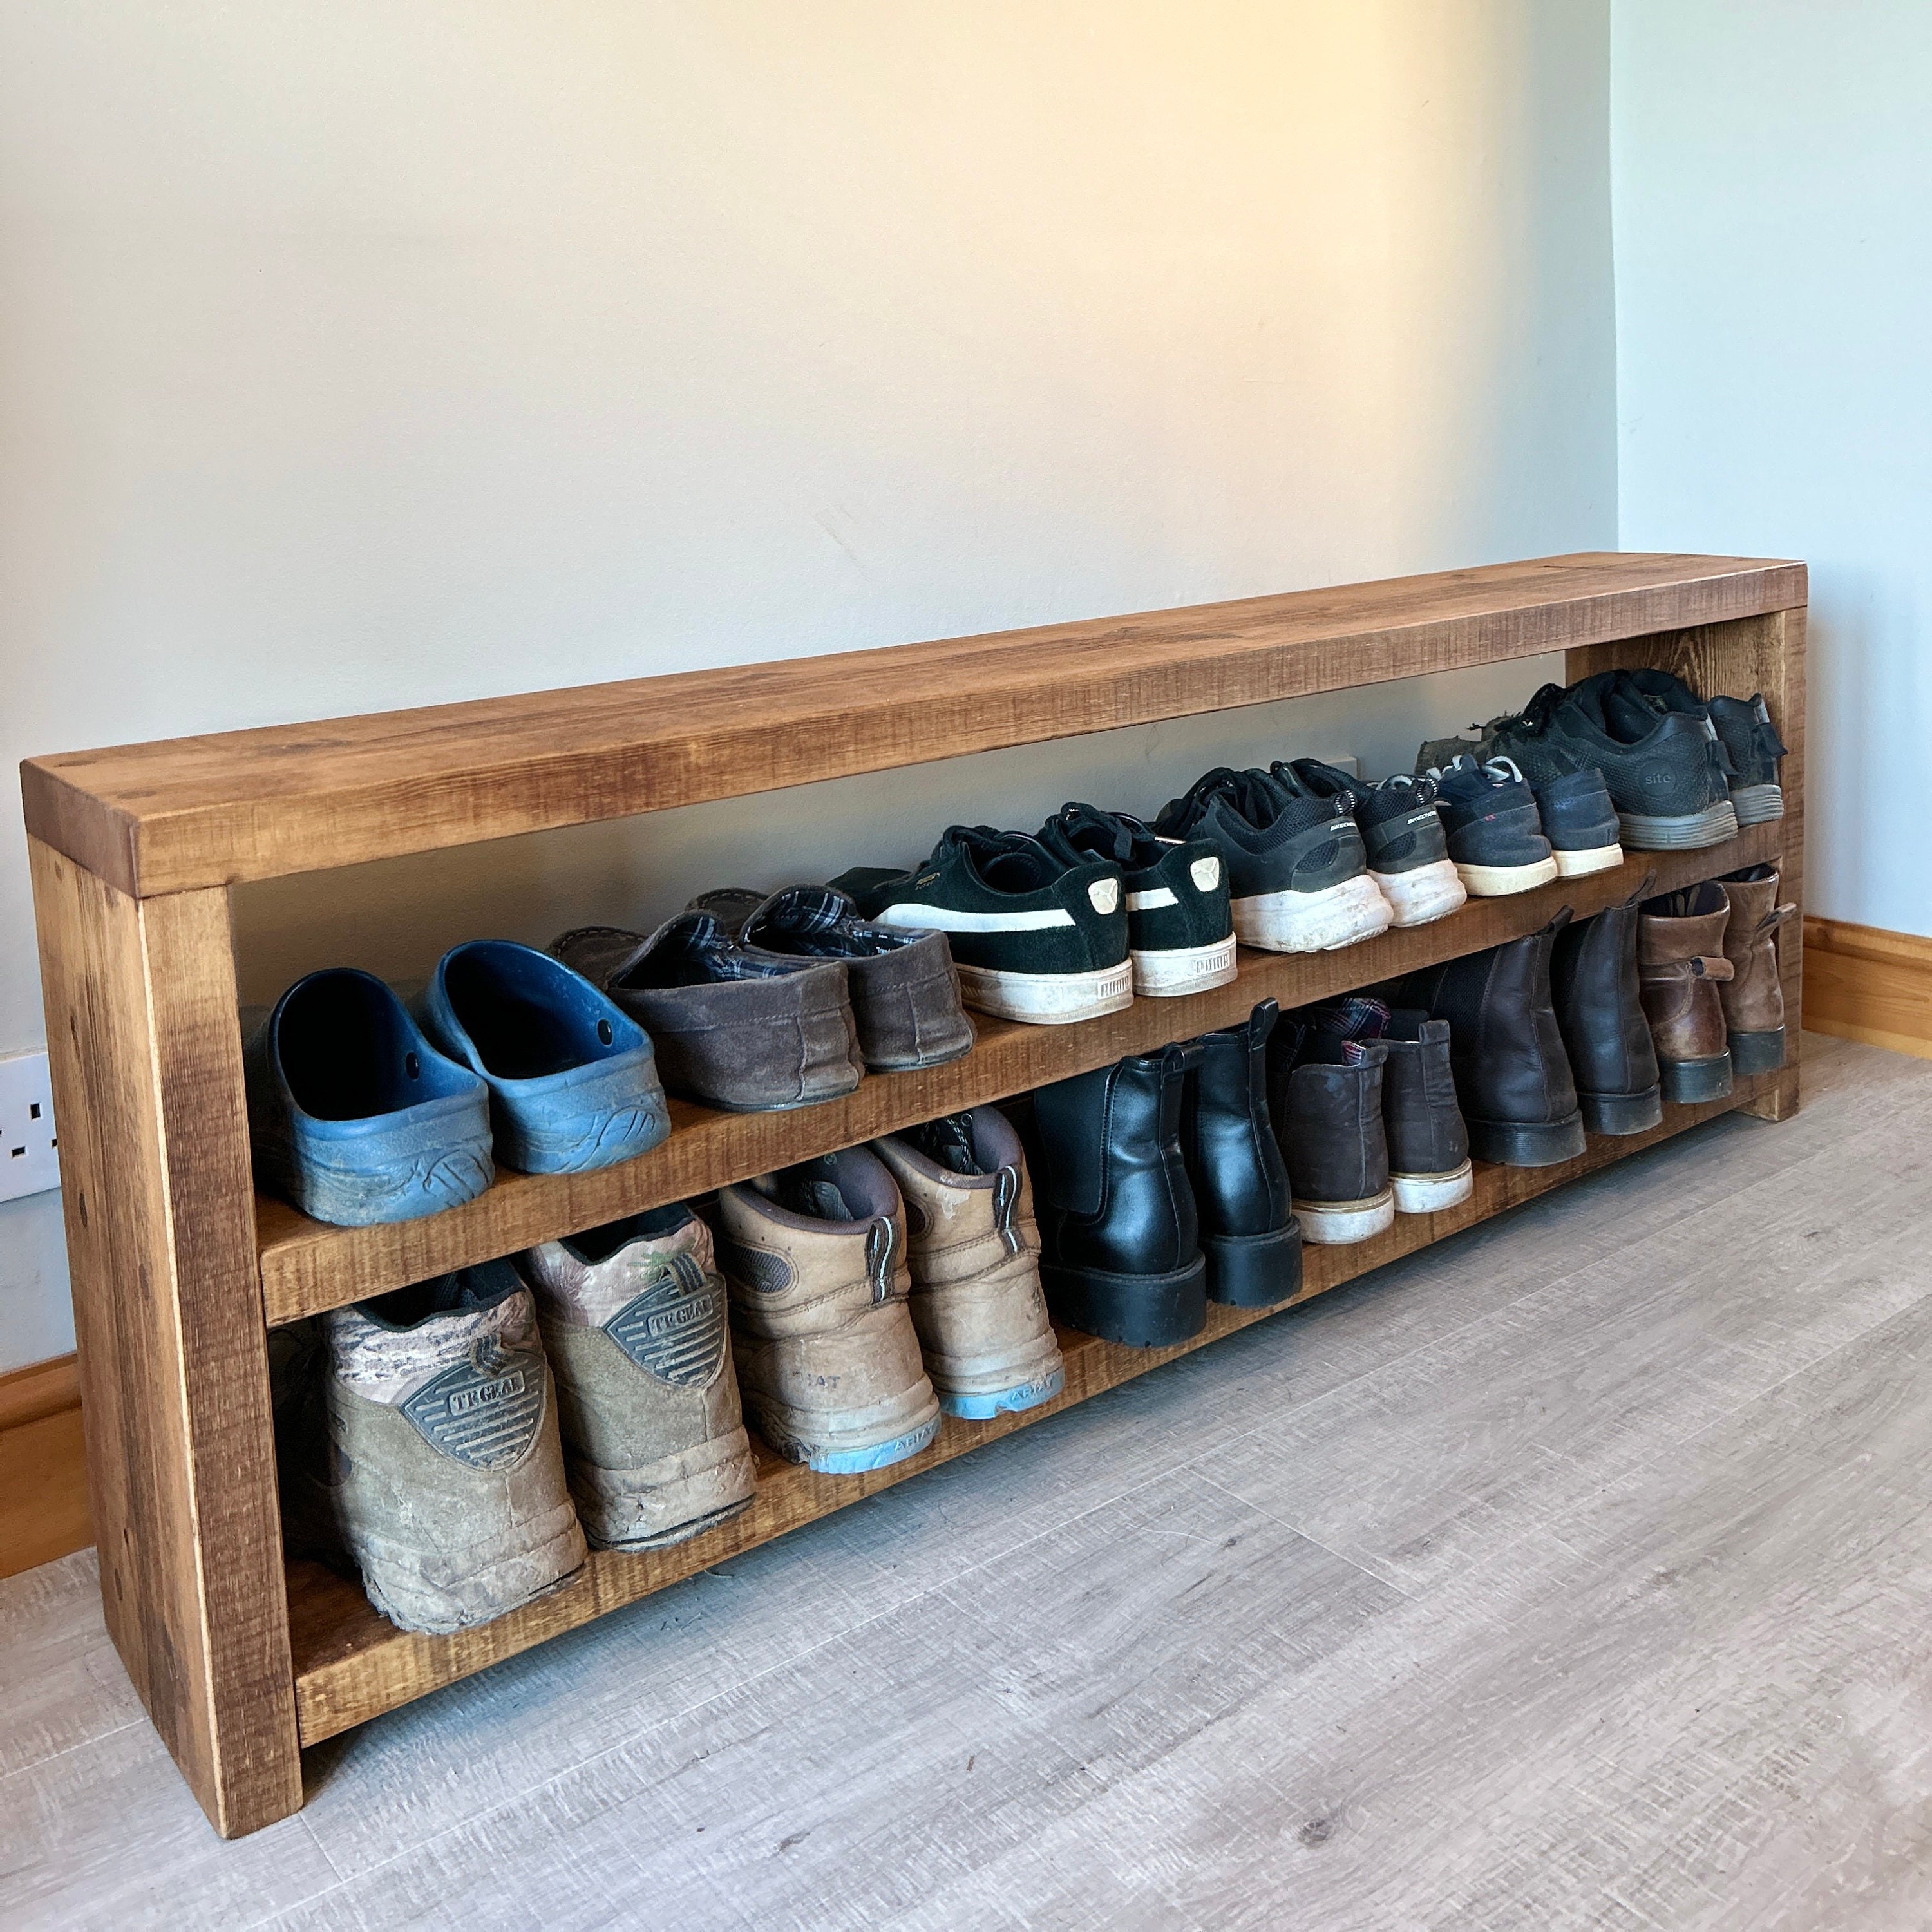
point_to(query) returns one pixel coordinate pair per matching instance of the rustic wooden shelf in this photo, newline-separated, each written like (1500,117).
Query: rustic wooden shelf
(178,1270)
(308,1266)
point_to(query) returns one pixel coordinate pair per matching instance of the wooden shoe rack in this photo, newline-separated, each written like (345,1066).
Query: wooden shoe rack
(180,1269)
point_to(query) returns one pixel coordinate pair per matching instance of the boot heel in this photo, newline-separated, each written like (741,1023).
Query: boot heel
(1622,1113)
(1141,1311)
(1757,1052)
(1253,1270)
(1686,1080)
(1527,1143)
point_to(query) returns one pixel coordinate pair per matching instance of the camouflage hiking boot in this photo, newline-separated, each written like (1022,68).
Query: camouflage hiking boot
(975,1256)
(814,1256)
(633,1323)
(446,1474)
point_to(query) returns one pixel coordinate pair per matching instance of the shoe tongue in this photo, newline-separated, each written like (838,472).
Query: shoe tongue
(1089,829)
(948,1143)
(818,1200)
(1630,714)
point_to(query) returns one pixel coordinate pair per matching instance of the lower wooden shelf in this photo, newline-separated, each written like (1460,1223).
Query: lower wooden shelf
(352,1664)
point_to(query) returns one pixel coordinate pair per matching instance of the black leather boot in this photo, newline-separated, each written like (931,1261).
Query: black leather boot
(1120,1239)
(1512,1075)
(1249,1233)
(1428,1144)
(1594,983)
(1325,1099)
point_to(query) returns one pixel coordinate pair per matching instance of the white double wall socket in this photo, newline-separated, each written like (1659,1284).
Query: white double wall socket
(29,1151)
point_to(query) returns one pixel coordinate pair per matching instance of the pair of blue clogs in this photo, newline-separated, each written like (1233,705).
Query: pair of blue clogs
(361,1109)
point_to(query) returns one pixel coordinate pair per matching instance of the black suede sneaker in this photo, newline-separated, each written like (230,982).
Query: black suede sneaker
(1751,742)
(1180,933)
(1034,938)
(1666,772)
(1296,868)
(1495,832)
(1408,849)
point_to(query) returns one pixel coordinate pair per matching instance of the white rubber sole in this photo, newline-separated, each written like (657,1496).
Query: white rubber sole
(1496,882)
(1426,893)
(1579,865)
(1333,1223)
(1047,999)
(1338,915)
(1430,1193)
(1758,804)
(1184,969)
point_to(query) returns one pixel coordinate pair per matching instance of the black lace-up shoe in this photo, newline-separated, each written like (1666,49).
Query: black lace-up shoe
(1180,933)
(1297,868)
(1751,742)
(1666,771)
(1408,850)
(1495,833)
(1034,937)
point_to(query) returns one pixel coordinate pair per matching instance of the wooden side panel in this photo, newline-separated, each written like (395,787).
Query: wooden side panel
(352,1663)
(1736,659)
(306,1267)
(147,1076)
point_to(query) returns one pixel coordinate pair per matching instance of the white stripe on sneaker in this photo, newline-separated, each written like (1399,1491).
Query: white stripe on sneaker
(953,918)
(1150,901)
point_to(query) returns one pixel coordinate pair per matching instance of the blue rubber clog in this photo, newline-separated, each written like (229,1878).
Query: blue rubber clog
(353,1115)
(573,1079)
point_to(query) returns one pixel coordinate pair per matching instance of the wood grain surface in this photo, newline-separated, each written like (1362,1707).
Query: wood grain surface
(308,1267)
(351,1662)
(147,1078)
(232,806)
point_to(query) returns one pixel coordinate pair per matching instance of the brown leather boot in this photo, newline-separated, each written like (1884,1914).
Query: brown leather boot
(1754,997)
(1681,964)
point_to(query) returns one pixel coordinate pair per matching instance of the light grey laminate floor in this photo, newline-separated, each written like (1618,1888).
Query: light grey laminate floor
(1577,1573)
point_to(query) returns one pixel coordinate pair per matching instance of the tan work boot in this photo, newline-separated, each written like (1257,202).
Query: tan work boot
(975,1252)
(814,1258)
(1753,998)
(633,1323)
(446,1482)
(1681,963)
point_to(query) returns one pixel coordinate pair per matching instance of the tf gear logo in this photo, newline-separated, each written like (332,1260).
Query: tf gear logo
(485,1411)
(675,1328)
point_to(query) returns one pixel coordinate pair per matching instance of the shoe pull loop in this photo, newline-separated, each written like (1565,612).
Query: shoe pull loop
(879,1259)
(1006,1193)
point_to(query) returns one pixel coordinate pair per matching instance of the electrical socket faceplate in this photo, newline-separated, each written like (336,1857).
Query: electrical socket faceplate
(29,1162)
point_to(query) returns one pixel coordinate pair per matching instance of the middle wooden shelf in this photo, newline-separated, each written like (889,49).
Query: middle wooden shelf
(308,1267)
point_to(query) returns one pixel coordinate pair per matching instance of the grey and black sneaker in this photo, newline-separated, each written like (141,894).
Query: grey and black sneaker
(1495,833)
(1298,870)
(440,1472)
(1666,771)
(1180,933)
(1751,742)
(1408,849)
(1034,938)
(633,1316)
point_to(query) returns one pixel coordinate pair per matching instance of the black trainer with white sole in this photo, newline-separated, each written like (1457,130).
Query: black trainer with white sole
(1034,938)
(1495,833)
(1580,823)
(1401,831)
(1298,872)
(1181,933)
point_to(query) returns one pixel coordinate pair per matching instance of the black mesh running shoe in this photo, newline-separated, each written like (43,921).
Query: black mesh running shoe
(1408,850)
(1665,772)
(1495,833)
(1750,740)
(1180,933)
(1296,869)
(1034,937)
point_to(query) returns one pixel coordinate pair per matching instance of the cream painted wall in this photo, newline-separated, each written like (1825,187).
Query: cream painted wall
(359,355)
(1773,198)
